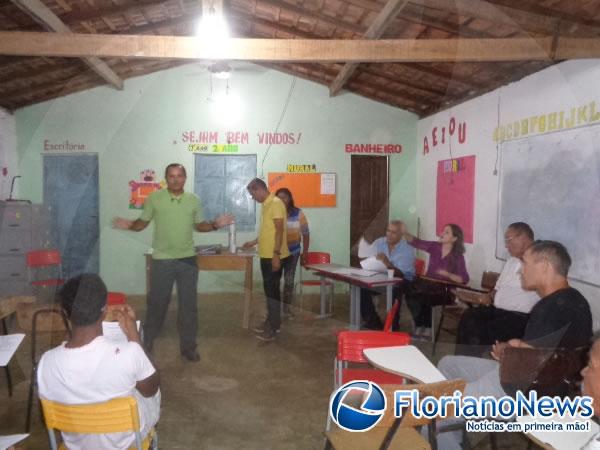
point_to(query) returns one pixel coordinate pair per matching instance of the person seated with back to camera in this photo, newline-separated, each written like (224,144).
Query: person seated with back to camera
(507,318)
(395,254)
(446,263)
(561,319)
(88,368)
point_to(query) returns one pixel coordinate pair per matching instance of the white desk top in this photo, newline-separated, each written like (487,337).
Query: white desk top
(406,361)
(563,440)
(333,271)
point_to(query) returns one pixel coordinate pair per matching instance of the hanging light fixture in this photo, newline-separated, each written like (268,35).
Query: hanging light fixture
(212,28)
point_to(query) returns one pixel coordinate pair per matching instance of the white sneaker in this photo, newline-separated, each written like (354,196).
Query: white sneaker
(426,332)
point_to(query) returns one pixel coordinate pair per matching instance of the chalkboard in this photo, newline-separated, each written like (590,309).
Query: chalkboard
(220,181)
(551,181)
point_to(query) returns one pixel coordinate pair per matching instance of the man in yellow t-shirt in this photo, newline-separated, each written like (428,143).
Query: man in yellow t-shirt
(273,251)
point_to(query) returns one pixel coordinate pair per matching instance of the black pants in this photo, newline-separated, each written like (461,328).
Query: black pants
(289,273)
(166,272)
(368,312)
(271,283)
(421,299)
(481,327)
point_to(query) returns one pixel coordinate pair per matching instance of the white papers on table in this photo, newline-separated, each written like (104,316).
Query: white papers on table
(8,347)
(10,440)
(365,249)
(328,183)
(372,263)
(354,272)
(113,332)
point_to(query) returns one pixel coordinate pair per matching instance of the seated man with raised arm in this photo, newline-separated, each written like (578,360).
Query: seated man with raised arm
(561,319)
(395,254)
(89,368)
(507,318)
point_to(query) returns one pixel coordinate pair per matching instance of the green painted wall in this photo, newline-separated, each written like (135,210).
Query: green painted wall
(141,126)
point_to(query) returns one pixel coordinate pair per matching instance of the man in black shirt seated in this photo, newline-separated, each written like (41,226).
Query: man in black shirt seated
(561,319)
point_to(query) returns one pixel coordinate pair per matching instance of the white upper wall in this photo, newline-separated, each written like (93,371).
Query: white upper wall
(529,106)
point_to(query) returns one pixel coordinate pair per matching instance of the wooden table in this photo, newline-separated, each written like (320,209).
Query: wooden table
(356,283)
(8,306)
(406,361)
(222,262)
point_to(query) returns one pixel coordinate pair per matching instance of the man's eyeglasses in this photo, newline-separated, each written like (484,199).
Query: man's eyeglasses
(508,239)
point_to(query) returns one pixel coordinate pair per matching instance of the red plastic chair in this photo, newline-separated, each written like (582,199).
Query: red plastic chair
(389,318)
(318,258)
(45,263)
(419,267)
(350,350)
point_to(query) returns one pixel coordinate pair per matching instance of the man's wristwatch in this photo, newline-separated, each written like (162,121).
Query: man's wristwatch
(278,253)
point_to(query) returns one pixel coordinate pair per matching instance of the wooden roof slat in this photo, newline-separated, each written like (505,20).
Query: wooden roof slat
(45,17)
(529,7)
(312,15)
(375,30)
(421,17)
(500,13)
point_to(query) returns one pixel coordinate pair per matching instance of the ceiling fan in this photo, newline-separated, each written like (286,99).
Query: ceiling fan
(220,69)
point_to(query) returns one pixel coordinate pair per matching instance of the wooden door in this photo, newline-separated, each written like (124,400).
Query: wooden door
(368,200)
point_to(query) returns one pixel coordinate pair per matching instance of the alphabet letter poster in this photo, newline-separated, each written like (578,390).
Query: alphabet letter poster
(455,199)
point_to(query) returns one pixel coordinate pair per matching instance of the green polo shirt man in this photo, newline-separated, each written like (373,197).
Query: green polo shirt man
(176,215)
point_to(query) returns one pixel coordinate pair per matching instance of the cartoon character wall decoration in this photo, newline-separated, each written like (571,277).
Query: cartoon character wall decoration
(140,190)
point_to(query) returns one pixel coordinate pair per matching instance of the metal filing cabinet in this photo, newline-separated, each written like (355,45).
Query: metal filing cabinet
(23,227)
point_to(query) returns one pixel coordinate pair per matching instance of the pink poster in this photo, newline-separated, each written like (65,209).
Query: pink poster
(455,199)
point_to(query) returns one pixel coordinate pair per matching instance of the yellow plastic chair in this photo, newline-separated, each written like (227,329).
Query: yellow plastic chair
(114,416)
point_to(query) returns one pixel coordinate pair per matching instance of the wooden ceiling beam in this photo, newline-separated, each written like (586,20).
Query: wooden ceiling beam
(375,31)
(300,50)
(420,69)
(379,73)
(49,21)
